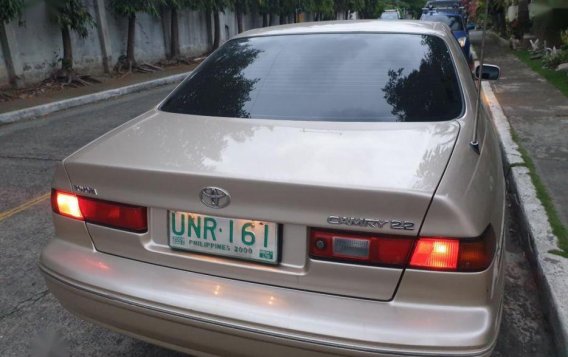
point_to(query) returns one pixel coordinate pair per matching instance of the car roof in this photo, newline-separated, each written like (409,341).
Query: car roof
(442,13)
(369,26)
(442,2)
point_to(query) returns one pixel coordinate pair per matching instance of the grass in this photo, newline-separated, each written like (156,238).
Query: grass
(557,79)
(558,228)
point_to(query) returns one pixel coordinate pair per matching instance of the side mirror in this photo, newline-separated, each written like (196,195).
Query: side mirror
(490,72)
(470,26)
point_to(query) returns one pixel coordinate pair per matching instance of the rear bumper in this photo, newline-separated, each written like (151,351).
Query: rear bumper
(205,315)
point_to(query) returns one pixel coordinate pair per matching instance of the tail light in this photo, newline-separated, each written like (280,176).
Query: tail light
(425,253)
(435,253)
(466,255)
(66,204)
(106,213)
(360,248)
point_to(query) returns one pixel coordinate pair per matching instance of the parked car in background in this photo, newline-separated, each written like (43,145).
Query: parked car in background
(308,190)
(457,25)
(390,15)
(447,6)
(434,4)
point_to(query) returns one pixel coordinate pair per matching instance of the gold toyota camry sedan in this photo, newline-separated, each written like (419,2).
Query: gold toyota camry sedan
(308,190)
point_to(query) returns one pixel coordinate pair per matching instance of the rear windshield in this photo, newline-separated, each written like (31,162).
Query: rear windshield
(325,77)
(389,15)
(454,22)
(437,4)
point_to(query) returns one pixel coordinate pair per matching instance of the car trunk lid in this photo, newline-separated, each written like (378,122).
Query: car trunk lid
(296,174)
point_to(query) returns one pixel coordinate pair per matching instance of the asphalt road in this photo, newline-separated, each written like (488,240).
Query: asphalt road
(31,320)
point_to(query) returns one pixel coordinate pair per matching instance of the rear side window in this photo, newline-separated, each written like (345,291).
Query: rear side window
(325,77)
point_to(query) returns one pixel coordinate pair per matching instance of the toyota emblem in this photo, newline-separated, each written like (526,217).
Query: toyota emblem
(214,197)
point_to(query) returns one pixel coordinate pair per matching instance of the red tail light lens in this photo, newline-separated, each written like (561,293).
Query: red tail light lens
(477,255)
(426,253)
(360,248)
(436,253)
(454,254)
(106,213)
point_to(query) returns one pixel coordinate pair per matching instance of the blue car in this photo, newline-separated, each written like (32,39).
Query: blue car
(456,23)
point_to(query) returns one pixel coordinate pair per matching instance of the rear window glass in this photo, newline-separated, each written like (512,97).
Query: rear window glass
(389,15)
(325,77)
(454,22)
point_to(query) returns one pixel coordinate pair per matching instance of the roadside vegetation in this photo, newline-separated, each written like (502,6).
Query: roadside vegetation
(558,229)
(547,62)
(72,16)
(557,78)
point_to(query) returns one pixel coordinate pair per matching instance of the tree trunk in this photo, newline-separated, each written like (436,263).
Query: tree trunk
(264,20)
(208,23)
(174,40)
(523,19)
(67,62)
(217,34)
(240,27)
(270,19)
(7,41)
(130,41)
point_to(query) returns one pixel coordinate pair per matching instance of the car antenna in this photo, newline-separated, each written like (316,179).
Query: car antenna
(474,140)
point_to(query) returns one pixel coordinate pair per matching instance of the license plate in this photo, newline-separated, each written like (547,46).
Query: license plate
(230,237)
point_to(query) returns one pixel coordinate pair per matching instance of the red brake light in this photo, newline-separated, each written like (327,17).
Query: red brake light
(106,213)
(454,254)
(435,253)
(360,248)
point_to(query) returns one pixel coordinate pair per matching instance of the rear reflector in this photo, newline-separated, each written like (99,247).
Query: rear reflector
(360,248)
(106,213)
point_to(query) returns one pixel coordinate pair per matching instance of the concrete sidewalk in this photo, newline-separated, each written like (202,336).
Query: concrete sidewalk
(538,113)
(54,95)
(525,104)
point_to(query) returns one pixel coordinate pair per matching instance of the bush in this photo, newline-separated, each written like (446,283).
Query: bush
(553,60)
(564,39)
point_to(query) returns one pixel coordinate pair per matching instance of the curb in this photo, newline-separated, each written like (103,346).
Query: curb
(536,232)
(44,109)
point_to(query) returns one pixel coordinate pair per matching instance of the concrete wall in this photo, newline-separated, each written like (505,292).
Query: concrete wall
(149,44)
(38,46)
(194,39)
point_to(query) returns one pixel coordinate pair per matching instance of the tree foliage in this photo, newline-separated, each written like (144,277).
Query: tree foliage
(349,5)
(70,14)
(216,5)
(182,4)
(128,8)
(372,9)
(414,7)
(11,9)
